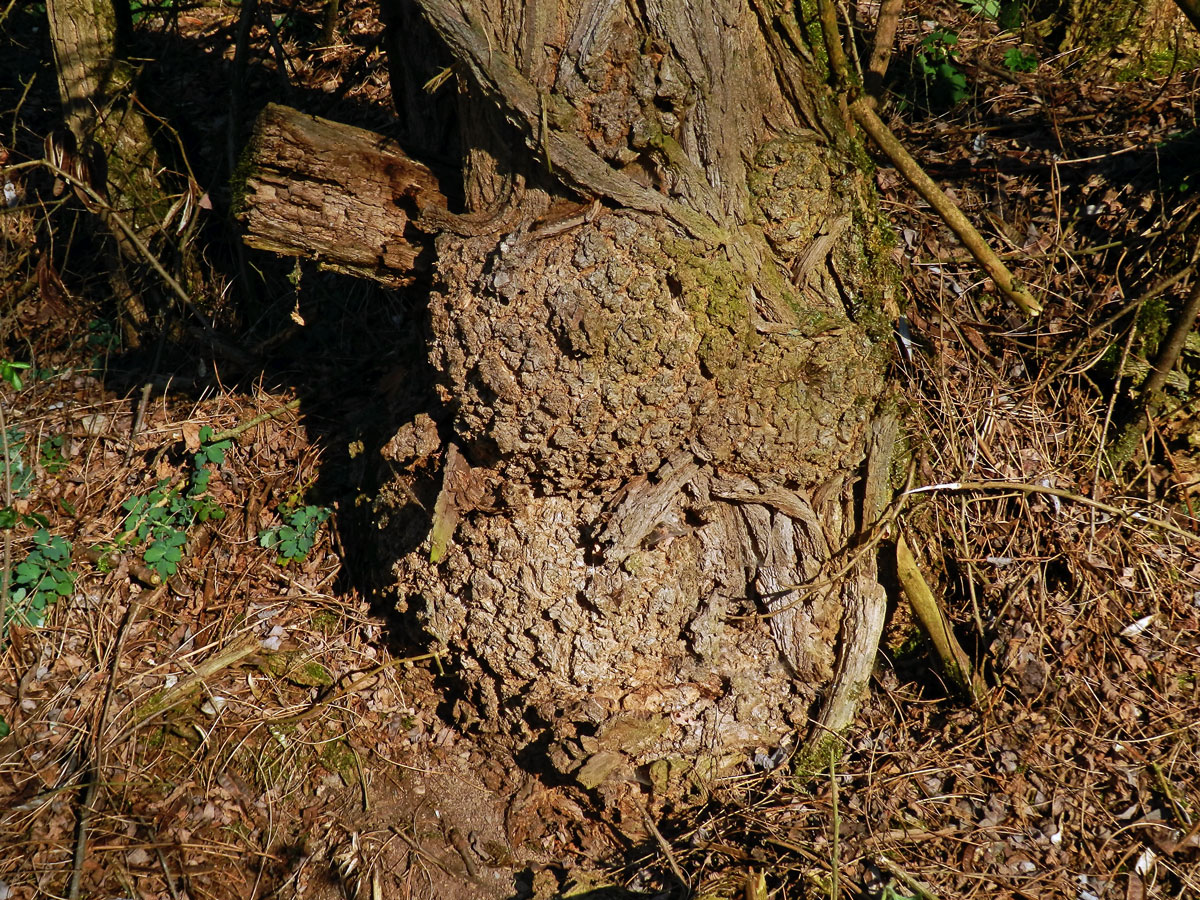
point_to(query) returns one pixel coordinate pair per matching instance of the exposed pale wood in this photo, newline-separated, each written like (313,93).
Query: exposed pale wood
(335,193)
(864,597)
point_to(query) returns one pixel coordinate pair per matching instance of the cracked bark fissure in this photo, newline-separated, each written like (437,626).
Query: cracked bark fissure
(663,405)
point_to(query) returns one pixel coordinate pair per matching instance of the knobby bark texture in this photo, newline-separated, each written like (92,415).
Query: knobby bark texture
(1138,35)
(661,355)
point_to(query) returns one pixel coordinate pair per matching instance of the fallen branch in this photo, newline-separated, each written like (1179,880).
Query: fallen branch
(881,50)
(257,420)
(87,806)
(1150,398)
(955,662)
(168,698)
(945,207)
(863,111)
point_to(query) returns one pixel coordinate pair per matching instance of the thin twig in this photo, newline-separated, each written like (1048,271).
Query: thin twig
(918,887)
(1168,355)
(881,50)
(683,880)
(834,50)
(139,418)
(834,849)
(1126,309)
(8,499)
(129,232)
(1004,280)
(1022,488)
(87,807)
(955,662)
(262,417)
(351,688)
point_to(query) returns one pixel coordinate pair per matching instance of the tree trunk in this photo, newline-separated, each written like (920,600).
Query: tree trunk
(661,354)
(1141,37)
(107,145)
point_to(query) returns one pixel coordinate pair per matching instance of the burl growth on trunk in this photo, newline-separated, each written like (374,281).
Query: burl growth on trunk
(659,355)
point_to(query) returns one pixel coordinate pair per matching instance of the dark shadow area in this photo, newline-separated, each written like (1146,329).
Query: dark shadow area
(358,361)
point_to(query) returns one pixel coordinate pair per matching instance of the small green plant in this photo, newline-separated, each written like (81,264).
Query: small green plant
(210,453)
(10,518)
(988,8)
(1017,60)
(11,372)
(937,61)
(4,729)
(40,580)
(161,518)
(141,10)
(165,554)
(296,537)
(102,339)
(53,460)
(15,471)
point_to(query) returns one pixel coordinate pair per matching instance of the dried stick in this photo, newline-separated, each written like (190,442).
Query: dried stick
(257,420)
(836,53)
(955,661)
(684,881)
(945,207)
(1131,306)
(1149,399)
(86,808)
(864,113)
(1168,354)
(881,50)
(6,562)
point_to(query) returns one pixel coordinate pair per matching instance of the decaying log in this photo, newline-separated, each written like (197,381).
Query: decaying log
(337,194)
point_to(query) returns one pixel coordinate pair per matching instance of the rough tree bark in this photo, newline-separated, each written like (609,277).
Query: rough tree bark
(363,226)
(660,347)
(107,145)
(1128,34)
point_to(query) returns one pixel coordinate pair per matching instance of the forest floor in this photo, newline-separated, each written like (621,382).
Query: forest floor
(204,692)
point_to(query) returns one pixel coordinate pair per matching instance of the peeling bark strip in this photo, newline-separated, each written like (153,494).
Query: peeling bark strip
(341,195)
